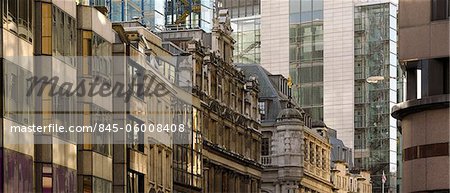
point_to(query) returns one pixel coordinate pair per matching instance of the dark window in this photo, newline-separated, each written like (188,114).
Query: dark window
(136,78)
(135,182)
(18,105)
(446,75)
(439,10)
(63,36)
(410,153)
(433,150)
(12,11)
(101,140)
(64,179)
(24,19)
(265,147)
(17,172)
(425,151)
(135,139)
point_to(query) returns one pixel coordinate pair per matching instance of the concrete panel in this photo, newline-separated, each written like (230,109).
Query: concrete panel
(418,168)
(102,166)
(438,126)
(86,162)
(104,102)
(20,142)
(65,72)
(414,13)
(64,154)
(101,25)
(437,173)
(68,6)
(414,42)
(10,48)
(439,36)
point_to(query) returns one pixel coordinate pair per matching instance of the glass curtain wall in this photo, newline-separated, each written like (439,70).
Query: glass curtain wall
(246,33)
(375,55)
(306,54)
(148,12)
(242,8)
(189,14)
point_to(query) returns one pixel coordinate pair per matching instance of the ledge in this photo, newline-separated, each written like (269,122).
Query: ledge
(403,109)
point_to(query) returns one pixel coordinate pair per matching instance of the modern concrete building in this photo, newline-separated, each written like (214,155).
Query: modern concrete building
(17,41)
(424,54)
(75,43)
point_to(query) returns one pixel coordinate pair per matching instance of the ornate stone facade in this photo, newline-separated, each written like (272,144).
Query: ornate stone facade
(228,113)
(345,181)
(299,156)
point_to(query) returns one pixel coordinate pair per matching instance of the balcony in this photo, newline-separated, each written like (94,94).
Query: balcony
(266,160)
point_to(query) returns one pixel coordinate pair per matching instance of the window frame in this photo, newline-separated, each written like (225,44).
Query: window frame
(435,5)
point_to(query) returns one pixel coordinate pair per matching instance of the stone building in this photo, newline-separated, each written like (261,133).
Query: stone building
(226,103)
(299,157)
(347,181)
(295,152)
(424,116)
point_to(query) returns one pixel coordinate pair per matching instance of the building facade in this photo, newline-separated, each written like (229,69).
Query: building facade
(424,114)
(340,152)
(17,161)
(275,37)
(246,25)
(163,15)
(344,181)
(295,153)
(94,157)
(77,43)
(375,55)
(330,57)
(144,163)
(226,104)
(344,176)
(148,12)
(298,157)
(306,55)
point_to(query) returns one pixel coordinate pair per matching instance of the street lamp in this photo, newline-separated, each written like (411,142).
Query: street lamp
(375,79)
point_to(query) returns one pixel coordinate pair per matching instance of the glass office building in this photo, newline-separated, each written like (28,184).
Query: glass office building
(333,49)
(376,56)
(160,15)
(246,33)
(189,14)
(148,12)
(306,54)
(246,24)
